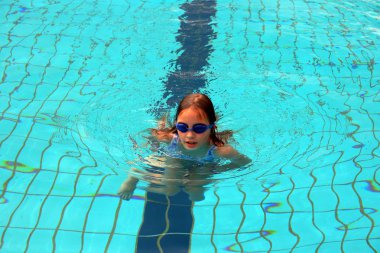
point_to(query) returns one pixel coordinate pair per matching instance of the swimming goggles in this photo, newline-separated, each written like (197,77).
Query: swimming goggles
(197,128)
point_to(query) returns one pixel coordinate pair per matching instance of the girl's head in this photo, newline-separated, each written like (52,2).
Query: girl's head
(197,109)
(200,103)
(194,109)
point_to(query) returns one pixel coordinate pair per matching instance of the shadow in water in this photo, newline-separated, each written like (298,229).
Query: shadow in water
(195,36)
(168,220)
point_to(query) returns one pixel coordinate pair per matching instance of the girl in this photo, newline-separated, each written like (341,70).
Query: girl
(192,139)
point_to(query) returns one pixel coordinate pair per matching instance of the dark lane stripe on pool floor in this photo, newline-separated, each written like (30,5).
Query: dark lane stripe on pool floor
(167,224)
(168,220)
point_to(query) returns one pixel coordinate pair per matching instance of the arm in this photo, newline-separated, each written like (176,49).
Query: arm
(237,159)
(129,185)
(162,133)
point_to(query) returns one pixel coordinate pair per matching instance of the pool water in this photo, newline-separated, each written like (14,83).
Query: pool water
(298,82)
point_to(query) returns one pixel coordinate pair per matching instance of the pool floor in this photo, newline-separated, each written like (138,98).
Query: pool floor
(298,81)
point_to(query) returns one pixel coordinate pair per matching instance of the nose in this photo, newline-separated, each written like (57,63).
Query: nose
(190,134)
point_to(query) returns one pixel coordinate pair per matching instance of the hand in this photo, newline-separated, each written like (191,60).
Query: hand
(127,188)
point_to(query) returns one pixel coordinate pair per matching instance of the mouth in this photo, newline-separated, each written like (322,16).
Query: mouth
(191,143)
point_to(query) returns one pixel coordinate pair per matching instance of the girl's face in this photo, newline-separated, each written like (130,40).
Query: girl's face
(191,140)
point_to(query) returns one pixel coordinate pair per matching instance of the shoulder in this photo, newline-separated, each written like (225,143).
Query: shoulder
(226,151)
(163,136)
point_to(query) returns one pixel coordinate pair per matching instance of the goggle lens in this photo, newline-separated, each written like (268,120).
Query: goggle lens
(197,128)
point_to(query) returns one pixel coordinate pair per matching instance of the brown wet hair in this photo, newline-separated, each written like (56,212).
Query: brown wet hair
(204,105)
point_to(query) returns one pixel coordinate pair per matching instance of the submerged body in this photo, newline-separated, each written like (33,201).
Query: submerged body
(193,146)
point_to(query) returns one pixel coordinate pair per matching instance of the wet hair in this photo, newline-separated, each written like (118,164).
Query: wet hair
(203,104)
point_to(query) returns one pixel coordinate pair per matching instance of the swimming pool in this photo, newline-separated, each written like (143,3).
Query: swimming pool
(297,80)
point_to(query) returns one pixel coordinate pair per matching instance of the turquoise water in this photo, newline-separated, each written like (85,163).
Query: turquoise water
(297,80)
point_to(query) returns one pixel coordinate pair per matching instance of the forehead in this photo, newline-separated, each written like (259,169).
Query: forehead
(192,114)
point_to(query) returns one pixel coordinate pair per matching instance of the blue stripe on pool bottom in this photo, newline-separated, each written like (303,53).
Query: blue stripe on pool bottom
(172,236)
